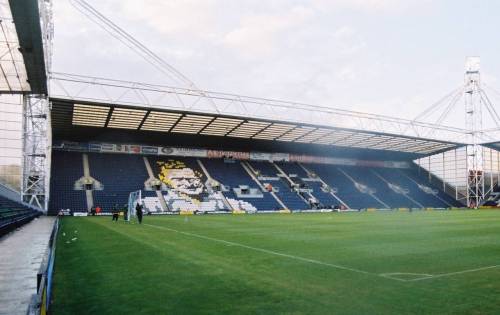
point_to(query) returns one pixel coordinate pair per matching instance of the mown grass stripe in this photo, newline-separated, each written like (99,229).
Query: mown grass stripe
(267,251)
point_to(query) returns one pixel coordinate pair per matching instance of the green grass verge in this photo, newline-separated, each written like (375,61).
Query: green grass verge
(272,264)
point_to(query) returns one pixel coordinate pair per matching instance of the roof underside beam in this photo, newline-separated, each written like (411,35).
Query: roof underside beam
(26,18)
(141,119)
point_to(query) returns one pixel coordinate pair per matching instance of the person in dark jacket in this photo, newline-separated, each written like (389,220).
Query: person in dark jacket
(125,212)
(116,211)
(138,212)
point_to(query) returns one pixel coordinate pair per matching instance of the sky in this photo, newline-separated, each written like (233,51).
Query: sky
(379,56)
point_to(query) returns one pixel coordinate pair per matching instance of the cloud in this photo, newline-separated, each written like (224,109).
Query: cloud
(344,32)
(186,17)
(347,41)
(371,6)
(346,73)
(258,35)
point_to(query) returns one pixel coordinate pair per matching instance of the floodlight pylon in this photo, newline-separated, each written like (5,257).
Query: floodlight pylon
(473,106)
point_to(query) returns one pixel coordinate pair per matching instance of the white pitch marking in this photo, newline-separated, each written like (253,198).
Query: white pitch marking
(317,262)
(394,275)
(441,275)
(267,251)
(407,273)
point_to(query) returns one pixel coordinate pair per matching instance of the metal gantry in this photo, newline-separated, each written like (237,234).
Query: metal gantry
(109,91)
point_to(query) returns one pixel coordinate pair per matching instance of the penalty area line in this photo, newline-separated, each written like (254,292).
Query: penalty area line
(449,274)
(400,276)
(270,252)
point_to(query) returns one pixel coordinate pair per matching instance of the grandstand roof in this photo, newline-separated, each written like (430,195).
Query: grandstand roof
(22,63)
(492,145)
(68,116)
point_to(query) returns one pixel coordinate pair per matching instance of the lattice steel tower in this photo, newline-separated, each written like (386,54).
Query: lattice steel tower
(473,102)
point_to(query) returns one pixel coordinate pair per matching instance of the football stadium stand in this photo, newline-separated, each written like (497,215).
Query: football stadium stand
(13,212)
(218,184)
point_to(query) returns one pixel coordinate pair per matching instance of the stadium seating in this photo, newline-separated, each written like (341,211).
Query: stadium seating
(67,168)
(14,214)
(186,184)
(493,198)
(187,168)
(175,162)
(292,168)
(388,196)
(407,180)
(265,169)
(288,196)
(233,175)
(177,201)
(447,200)
(414,191)
(294,172)
(284,191)
(346,190)
(152,204)
(120,174)
(325,198)
(241,205)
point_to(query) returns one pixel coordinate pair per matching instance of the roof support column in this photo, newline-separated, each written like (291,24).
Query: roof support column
(36,151)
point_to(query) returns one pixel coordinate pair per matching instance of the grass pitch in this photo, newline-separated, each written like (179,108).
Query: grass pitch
(350,263)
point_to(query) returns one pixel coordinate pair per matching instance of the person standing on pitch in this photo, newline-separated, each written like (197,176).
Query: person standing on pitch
(138,212)
(116,212)
(125,212)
